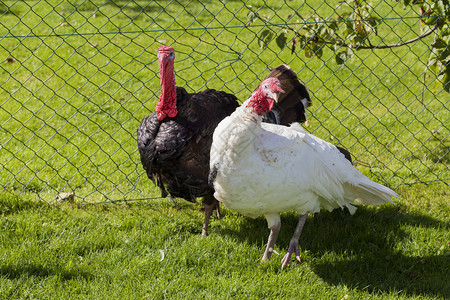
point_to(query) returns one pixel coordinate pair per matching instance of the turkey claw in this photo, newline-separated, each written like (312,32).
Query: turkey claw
(219,215)
(293,248)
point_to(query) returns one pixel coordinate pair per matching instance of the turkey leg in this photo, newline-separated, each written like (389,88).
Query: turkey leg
(208,212)
(293,245)
(274,231)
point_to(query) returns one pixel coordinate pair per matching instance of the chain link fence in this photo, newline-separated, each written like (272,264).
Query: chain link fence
(77,77)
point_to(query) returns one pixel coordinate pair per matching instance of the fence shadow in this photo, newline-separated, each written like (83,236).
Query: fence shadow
(364,248)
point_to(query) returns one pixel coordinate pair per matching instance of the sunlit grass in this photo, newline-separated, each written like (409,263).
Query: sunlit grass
(114,250)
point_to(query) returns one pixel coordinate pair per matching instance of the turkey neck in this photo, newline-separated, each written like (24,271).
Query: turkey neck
(242,132)
(167,83)
(174,101)
(167,104)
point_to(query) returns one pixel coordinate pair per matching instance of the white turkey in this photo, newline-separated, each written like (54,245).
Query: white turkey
(265,169)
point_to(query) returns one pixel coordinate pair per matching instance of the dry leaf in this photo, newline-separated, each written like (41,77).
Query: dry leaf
(65,197)
(294,44)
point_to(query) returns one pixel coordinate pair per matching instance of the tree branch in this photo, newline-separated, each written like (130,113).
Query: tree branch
(359,47)
(400,44)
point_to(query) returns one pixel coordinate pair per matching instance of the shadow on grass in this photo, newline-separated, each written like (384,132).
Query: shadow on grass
(28,270)
(437,150)
(138,9)
(441,153)
(11,204)
(363,251)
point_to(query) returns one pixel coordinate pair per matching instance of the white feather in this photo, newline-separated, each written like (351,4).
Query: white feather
(266,169)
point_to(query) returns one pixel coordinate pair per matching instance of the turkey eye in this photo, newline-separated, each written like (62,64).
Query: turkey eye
(171,54)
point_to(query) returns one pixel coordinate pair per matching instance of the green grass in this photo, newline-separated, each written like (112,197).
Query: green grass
(71,100)
(73,90)
(111,251)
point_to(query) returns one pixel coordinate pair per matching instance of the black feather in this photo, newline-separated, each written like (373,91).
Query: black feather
(346,153)
(176,150)
(212,175)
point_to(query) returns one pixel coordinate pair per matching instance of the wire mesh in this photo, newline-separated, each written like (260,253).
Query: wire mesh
(77,77)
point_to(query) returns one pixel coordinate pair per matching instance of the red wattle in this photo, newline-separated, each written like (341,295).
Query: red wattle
(271,102)
(260,103)
(167,104)
(163,110)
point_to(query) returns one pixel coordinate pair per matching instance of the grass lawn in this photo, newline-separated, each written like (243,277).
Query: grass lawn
(73,91)
(111,251)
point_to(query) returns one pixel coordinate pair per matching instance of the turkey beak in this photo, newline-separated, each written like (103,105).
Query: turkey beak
(276,94)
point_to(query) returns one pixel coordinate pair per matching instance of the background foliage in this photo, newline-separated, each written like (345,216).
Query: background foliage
(354,27)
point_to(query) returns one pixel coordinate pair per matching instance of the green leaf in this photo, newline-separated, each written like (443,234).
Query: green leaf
(439,7)
(333,25)
(443,55)
(251,17)
(445,36)
(318,50)
(432,62)
(281,39)
(439,44)
(309,52)
(324,32)
(430,20)
(446,80)
(341,57)
(314,49)
(373,21)
(349,28)
(264,38)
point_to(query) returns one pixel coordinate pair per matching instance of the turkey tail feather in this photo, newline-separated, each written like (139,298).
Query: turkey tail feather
(369,192)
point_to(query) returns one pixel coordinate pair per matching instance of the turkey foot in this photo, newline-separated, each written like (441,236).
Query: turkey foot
(217,206)
(274,231)
(293,248)
(293,245)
